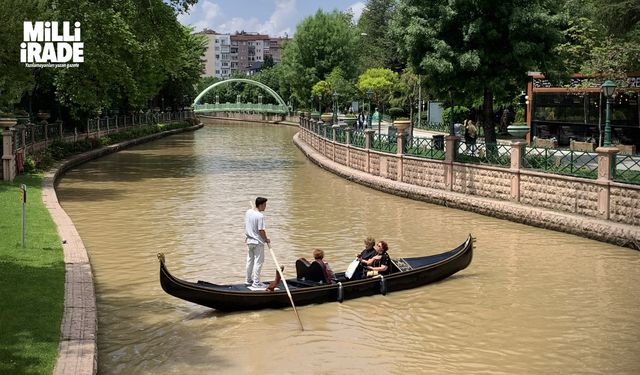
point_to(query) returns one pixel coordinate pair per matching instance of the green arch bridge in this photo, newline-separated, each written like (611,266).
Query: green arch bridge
(280,108)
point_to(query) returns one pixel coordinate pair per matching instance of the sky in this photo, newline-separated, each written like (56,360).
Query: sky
(271,17)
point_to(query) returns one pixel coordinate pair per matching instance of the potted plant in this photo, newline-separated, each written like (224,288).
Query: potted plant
(519,128)
(401,123)
(350,119)
(326,117)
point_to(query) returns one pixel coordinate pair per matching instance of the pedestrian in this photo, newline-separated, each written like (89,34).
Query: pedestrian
(361,120)
(256,237)
(470,136)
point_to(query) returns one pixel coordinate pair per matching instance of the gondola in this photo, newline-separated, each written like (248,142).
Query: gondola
(406,273)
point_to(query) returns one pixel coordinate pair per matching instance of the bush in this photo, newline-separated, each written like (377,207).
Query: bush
(395,112)
(459,114)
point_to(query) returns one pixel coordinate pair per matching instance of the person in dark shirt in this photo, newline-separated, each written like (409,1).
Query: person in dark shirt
(368,253)
(380,264)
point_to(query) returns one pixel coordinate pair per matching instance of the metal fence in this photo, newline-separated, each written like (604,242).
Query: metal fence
(566,162)
(358,139)
(382,142)
(495,154)
(627,169)
(426,148)
(37,136)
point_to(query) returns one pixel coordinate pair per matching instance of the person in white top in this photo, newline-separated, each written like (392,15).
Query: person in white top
(256,237)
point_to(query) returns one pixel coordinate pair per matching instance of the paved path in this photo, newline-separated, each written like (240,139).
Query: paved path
(78,352)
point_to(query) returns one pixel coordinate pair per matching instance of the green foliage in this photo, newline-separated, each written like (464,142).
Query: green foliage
(377,46)
(395,112)
(459,114)
(322,42)
(16,78)
(480,48)
(134,50)
(380,81)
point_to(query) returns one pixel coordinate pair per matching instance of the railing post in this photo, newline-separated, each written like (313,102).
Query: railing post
(334,131)
(517,153)
(400,144)
(8,157)
(449,157)
(606,173)
(368,145)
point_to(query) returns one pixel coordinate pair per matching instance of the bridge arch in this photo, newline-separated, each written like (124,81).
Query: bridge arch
(261,85)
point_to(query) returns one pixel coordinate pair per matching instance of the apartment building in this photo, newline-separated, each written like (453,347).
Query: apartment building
(240,52)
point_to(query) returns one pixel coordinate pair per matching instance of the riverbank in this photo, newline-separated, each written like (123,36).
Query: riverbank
(593,228)
(54,329)
(32,288)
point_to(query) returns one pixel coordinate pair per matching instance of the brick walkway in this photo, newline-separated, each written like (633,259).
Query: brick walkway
(78,352)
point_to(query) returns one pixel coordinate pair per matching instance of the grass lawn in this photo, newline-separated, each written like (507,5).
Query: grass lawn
(32,282)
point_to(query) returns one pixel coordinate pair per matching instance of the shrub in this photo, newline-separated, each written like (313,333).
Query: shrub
(459,114)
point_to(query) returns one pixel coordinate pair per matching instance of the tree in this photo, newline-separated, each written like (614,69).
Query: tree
(16,78)
(377,46)
(322,42)
(381,82)
(484,47)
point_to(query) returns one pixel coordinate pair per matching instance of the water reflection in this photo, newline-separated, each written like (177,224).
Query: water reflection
(532,301)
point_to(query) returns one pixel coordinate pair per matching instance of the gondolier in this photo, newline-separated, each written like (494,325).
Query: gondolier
(256,237)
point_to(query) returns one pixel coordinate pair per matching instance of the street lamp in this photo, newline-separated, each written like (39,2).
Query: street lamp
(320,103)
(335,107)
(369,95)
(608,87)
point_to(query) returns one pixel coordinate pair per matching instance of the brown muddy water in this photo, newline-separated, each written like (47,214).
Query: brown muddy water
(532,301)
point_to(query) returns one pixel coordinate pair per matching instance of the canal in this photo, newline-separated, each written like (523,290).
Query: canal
(532,301)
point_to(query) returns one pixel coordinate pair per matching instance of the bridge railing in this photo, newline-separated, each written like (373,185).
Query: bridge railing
(240,107)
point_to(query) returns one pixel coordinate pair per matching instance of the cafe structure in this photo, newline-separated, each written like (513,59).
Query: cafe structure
(576,112)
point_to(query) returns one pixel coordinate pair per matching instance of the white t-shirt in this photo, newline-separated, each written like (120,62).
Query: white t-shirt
(253,223)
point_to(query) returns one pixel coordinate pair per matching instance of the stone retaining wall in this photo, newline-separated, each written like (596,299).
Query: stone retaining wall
(563,203)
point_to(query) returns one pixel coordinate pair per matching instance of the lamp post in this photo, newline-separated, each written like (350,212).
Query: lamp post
(608,87)
(320,103)
(335,108)
(369,95)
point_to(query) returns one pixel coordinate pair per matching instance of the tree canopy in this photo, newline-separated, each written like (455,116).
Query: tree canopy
(322,42)
(483,46)
(134,51)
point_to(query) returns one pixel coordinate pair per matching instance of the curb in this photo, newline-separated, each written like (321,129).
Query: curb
(77,352)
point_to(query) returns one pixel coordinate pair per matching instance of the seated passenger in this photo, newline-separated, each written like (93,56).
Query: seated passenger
(318,256)
(365,254)
(380,264)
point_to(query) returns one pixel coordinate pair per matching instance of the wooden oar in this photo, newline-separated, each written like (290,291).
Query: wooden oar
(284,281)
(286,286)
